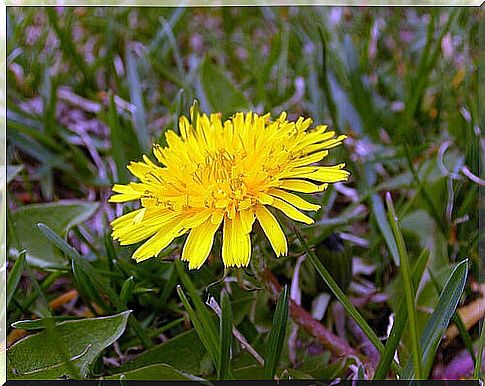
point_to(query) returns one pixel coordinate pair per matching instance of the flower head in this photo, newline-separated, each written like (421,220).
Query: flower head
(225,174)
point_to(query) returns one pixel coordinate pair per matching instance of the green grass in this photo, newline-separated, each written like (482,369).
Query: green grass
(90,89)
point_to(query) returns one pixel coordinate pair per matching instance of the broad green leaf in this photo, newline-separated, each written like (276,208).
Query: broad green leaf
(40,324)
(421,224)
(221,93)
(277,335)
(91,283)
(59,216)
(184,352)
(439,320)
(39,356)
(157,372)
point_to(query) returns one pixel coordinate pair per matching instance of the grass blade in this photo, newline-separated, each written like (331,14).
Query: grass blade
(136,98)
(225,335)
(380,215)
(438,321)
(410,293)
(203,330)
(14,276)
(400,321)
(127,290)
(465,336)
(277,335)
(117,149)
(202,310)
(344,300)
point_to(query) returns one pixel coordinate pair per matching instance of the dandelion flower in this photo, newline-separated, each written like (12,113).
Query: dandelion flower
(225,174)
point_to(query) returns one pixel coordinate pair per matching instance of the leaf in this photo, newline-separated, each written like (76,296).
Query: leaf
(157,372)
(184,352)
(59,216)
(38,356)
(14,276)
(136,97)
(440,318)
(409,288)
(277,335)
(12,171)
(400,321)
(202,329)
(202,310)
(420,223)
(116,135)
(40,324)
(91,283)
(383,224)
(221,93)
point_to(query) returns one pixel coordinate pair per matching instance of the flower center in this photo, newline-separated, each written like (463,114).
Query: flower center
(226,188)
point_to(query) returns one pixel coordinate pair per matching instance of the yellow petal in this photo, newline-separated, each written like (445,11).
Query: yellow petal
(127,193)
(217,217)
(162,239)
(194,220)
(247,219)
(302,186)
(328,174)
(125,219)
(227,256)
(199,244)
(272,229)
(294,200)
(236,244)
(291,211)
(309,159)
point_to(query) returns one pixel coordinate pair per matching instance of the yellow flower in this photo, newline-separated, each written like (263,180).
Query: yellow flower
(225,173)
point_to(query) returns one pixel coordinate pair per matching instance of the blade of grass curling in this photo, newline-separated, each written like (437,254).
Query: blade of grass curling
(225,337)
(400,321)
(96,280)
(201,308)
(136,97)
(342,298)
(14,276)
(478,361)
(465,336)
(381,219)
(439,319)
(210,345)
(277,335)
(409,292)
(116,135)
(127,290)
